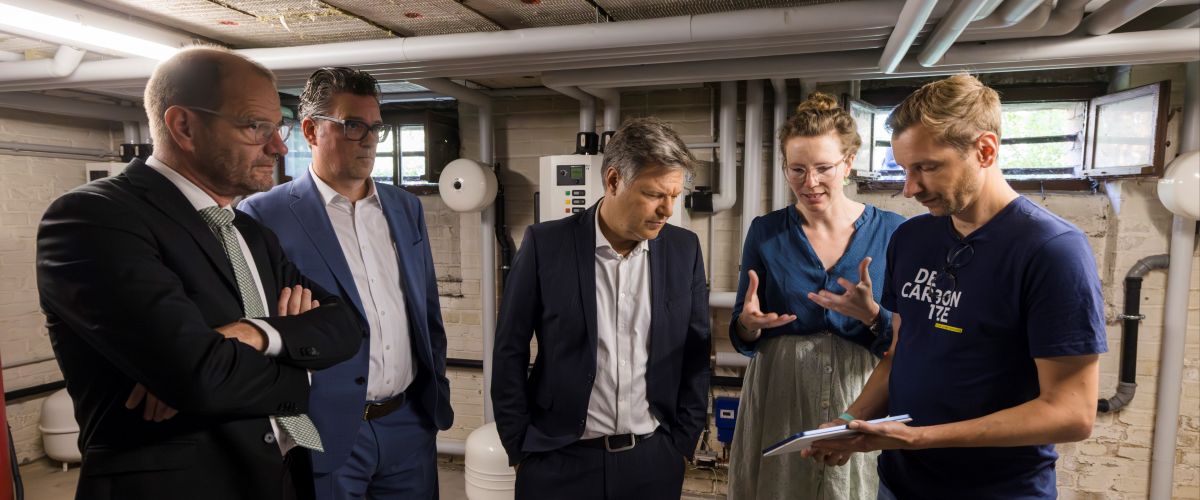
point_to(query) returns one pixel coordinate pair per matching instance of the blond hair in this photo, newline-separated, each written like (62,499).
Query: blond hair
(820,114)
(956,109)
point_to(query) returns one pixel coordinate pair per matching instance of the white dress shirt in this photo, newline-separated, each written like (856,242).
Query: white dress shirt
(201,200)
(366,241)
(618,403)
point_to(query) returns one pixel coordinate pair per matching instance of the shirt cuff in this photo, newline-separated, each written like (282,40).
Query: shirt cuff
(274,341)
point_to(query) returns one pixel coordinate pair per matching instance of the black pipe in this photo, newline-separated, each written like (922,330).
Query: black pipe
(1127,380)
(507,246)
(36,390)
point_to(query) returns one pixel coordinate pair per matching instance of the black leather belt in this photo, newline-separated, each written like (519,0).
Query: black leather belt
(383,408)
(618,442)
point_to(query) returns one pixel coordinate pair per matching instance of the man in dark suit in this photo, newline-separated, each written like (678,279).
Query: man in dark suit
(380,411)
(159,296)
(617,299)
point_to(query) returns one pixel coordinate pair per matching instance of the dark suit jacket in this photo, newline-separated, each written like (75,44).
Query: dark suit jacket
(132,283)
(296,212)
(551,294)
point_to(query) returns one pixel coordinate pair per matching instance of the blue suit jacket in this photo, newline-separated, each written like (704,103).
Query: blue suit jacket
(296,212)
(551,294)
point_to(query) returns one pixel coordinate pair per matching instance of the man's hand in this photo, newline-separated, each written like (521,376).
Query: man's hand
(858,302)
(752,319)
(828,457)
(155,409)
(296,300)
(245,333)
(881,436)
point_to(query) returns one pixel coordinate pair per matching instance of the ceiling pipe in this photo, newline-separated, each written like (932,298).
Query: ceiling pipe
(1061,21)
(779,189)
(587,105)
(948,30)
(912,20)
(1115,14)
(70,107)
(94,17)
(987,9)
(1011,13)
(133,134)
(612,105)
(487,228)
(1068,48)
(752,164)
(1189,21)
(6,56)
(64,62)
(725,190)
(704,31)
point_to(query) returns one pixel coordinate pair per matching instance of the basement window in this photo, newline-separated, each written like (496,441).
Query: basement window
(1115,135)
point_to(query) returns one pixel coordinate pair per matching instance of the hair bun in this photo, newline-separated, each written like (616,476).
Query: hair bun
(818,101)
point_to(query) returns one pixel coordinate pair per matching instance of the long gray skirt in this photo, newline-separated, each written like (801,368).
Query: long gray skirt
(794,384)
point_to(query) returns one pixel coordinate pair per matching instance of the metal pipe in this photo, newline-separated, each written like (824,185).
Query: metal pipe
(731,360)
(87,17)
(779,189)
(725,189)
(6,56)
(53,151)
(948,30)
(1189,21)
(132,132)
(612,105)
(1031,26)
(912,20)
(451,447)
(752,165)
(1009,14)
(69,107)
(1115,14)
(587,105)
(64,62)
(721,300)
(1130,316)
(1175,313)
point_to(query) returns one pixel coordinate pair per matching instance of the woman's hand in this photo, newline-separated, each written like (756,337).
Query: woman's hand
(858,302)
(753,320)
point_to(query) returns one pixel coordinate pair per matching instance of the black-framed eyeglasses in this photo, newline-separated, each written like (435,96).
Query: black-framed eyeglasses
(955,259)
(357,130)
(259,132)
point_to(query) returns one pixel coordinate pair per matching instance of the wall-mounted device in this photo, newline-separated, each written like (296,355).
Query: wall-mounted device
(99,170)
(568,184)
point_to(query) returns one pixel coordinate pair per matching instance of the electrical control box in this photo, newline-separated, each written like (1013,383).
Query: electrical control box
(725,411)
(568,184)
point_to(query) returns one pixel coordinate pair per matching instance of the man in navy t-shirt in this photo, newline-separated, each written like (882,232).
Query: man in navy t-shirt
(998,319)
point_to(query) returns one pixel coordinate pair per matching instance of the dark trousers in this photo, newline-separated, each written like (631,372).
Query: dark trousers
(394,457)
(652,470)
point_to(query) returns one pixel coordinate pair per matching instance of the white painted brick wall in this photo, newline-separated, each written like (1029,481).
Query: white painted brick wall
(27,186)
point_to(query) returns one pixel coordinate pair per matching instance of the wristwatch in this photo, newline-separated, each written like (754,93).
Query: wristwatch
(877,325)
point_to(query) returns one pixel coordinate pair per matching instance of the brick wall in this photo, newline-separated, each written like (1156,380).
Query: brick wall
(27,185)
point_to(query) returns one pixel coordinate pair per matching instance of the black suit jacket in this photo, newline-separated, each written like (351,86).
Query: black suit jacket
(551,294)
(132,283)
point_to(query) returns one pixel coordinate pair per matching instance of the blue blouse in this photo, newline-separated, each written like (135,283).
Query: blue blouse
(788,269)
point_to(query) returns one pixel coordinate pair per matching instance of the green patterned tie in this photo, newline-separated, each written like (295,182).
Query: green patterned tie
(220,220)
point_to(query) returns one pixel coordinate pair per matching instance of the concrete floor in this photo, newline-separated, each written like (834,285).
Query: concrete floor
(45,480)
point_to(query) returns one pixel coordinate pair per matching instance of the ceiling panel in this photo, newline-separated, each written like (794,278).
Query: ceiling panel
(628,10)
(518,14)
(418,17)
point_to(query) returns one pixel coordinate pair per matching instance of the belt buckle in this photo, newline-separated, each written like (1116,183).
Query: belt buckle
(608,444)
(367,410)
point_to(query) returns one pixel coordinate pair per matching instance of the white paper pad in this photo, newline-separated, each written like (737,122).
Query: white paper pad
(804,440)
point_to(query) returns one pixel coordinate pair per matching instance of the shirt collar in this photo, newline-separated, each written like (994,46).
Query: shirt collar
(602,242)
(196,196)
(330,196)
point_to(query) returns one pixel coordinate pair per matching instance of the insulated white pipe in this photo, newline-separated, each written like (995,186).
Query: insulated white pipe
(725,189)
(1067,48)
(144,131)
(612,105)
(779,189)
(948,30)
(1031,26)
(64,62)
(451,447)
(721,300)
(912,20)
(86,16)
(132,133)
(1115,14)
(807,87)
(587,105)
(752,167)
(69,107)
(732,360)
(6,56)
(487,228)
(1189,21)
(1009,14)
(1175,313)
(988,8)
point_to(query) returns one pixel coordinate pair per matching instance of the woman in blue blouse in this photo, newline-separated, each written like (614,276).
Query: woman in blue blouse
(807,314)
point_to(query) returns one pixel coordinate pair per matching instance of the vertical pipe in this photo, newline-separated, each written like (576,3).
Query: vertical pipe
(779,190)
(752,149)
(1175,312)
(487,251)
(807,87)
(132,133)
(725,189)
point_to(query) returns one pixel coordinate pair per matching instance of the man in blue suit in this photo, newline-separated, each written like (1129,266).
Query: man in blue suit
(380,411)
(617,299)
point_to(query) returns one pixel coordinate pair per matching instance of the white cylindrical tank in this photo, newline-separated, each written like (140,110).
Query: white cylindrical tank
(60,432)
(487,473)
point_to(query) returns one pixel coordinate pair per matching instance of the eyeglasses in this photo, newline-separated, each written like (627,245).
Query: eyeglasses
(260,132)
(356,130)
(957,258)
(820,172)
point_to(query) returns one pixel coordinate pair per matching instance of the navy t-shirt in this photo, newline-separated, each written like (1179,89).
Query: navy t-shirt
(974,313)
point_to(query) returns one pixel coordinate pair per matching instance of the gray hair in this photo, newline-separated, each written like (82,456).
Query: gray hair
(325,82)
(644,143)
(192,77)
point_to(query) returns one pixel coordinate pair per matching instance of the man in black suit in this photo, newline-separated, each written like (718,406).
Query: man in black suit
(617,299)
(159,296)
